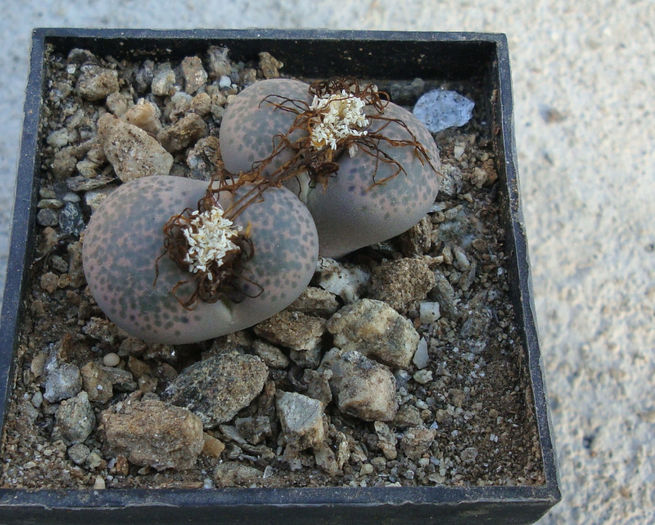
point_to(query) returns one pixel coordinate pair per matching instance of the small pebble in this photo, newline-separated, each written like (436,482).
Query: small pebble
(71,220)
(58,138)
(49,282)
(71,197)
(421,357)
(47,217)
(111,359)
(99,483)
(224,82)
(50,203)
(440,109)
(218,61)
(95,82)
(94,460)
(428,312)
(37,399)
(366,469)
(423,376)
(78,453)
(163,82)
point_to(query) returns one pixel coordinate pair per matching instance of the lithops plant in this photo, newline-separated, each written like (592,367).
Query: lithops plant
(166,275)
(365,167)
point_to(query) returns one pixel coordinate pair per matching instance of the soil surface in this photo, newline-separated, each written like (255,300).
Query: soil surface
(470,395)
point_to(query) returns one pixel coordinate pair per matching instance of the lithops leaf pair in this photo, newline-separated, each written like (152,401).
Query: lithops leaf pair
(365,167)
(144,292)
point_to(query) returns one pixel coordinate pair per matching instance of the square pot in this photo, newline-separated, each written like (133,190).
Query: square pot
(311,54)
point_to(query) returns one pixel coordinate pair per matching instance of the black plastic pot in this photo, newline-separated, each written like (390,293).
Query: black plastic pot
(392,55)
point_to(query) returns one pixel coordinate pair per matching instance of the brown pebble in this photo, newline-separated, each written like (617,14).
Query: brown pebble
(212,447)
(137,367)
(49,282)
(121,467)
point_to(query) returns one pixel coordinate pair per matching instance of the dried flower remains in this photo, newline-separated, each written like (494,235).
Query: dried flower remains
(340,118)
(207,244)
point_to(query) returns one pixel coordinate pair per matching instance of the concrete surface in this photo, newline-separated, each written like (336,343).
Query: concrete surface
(583,83)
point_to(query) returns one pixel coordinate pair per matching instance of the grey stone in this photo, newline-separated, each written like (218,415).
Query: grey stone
(254,429)
(183,133)
(421,357)
(78,453)
(440,109)
(94,460)
(62,382)
(37,399)
(224,82)
(345,280)
(47,217)
(416,441)
(271,354)
(386,440)
(230,473)
(407,416)
(217,388)
(326,459)
(293,330)
(97,383)
(362,387)
(121,380)
(406,92)
(204,158)
(163,81)
(315,301)
(153,433)
(59,264)
(219,63)
(402,282)
(306,358)
(74,419)
(111,359)
(58,138)
(118,103)
(318,385)
(445,294)
(195,75)
(87,168)
(376,330)
(144,76)
(301,419)
(428,312)
(80,56)
(131,151)
(423,377)
(71,220)
(96,82)
(178,105)
(452,180)
(53,204)
(469,454)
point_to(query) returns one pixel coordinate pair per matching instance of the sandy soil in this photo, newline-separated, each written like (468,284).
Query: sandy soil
(583,79)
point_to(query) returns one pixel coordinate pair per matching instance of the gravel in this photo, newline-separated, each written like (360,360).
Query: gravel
(582,98)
